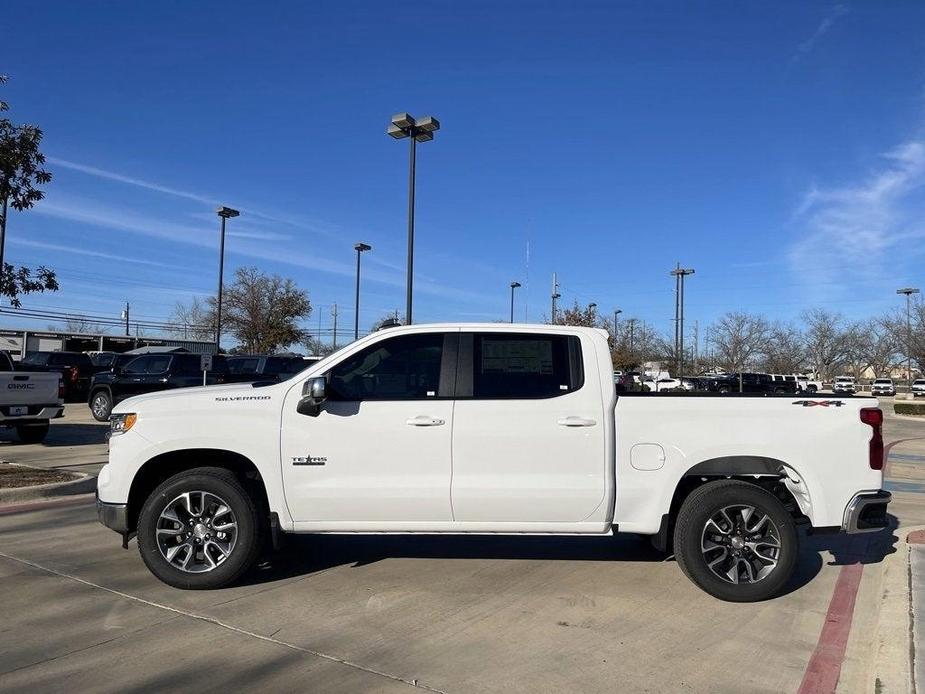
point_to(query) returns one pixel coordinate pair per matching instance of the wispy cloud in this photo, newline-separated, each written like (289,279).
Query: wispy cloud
(278,218)
(857,229)
(73,250)
(824,27)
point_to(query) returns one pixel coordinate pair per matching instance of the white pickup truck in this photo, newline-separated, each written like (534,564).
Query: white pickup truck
(488,429)
(29,400)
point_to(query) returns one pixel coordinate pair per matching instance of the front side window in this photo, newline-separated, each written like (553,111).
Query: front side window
(511,365)
(400,368)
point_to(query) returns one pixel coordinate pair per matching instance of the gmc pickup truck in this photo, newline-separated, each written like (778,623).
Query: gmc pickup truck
(29,400)
(488,428)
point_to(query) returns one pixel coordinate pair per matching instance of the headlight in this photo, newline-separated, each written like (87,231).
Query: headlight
(120,423)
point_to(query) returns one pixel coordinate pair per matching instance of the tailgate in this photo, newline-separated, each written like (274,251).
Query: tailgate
(30,388)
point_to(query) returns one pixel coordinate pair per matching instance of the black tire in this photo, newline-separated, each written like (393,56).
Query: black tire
(705,503)
(32,433)
(222,483)
(811,389)
(101,405)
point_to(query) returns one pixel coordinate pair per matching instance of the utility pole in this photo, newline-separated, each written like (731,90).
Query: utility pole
(3,216)
(318,344)
(679,274)
(555,296)
(334,313)
(632,324)
(125,316)
(696,347)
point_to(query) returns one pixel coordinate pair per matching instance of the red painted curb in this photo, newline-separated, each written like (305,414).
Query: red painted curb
(824,669)
(916,537)
(76,500)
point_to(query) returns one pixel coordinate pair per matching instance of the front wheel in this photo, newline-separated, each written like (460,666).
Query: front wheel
(101,405)
(736,541)
(199,529)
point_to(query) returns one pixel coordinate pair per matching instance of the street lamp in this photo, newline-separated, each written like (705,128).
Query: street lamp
(908,291)
(679,274)
(514,285)
(616,312)
(359,248)
(420,130)
(224,213)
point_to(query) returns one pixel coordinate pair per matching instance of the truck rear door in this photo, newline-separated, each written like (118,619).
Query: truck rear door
(529,434)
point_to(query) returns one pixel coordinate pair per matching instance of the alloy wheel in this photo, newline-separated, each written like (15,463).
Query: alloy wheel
(196,531)
(740,544)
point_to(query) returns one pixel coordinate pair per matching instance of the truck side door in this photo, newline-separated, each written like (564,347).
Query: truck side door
(529,435)
(379,451)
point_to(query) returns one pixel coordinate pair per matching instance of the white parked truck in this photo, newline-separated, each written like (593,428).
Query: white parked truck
(488,428)
(29,400)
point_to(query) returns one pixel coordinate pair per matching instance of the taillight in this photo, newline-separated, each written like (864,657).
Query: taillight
(873,417)
(73,372)
(60,389)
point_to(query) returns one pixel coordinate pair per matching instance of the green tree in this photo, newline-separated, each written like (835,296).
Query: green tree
(263,311)
(21,174)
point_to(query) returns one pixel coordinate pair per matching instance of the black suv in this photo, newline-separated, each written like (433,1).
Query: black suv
(107,361)
(149,373)
(243,368)
(76,370)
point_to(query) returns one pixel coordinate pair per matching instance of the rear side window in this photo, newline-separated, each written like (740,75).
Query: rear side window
(36,359)
(525,366)
(243,365)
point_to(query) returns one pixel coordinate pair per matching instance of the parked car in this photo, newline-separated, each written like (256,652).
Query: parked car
(918,387)
(149,373)
(844,384)
(76,370)
(243,368)
(749,382)
(807,384)
(882,386)
(29,400)
(659,384)
(487,429)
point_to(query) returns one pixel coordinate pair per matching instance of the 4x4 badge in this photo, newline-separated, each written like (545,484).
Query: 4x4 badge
(820,403)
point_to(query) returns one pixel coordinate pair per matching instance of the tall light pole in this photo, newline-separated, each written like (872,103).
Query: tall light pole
(359,248)
(679,274)
(224,213)
(908,291)
(616,313)
(514,285)
(416,130)
(555,296)
(334,314)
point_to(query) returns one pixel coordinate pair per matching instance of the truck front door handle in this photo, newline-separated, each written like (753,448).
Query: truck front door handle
(575,422)
(424,421)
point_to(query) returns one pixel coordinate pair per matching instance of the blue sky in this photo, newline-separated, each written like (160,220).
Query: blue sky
(778,148)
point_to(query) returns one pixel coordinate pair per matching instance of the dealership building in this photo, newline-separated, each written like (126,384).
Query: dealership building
(20,342)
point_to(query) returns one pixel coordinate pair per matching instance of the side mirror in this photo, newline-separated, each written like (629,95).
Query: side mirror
(314,393)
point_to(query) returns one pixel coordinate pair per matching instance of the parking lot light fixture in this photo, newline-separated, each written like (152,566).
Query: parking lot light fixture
(908,291)
(224,213)
(679,273)
(359,248)
(514,285)
(416,130)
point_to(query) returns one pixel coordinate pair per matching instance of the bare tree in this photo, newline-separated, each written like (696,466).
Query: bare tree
(738,339)
(827,340)
(583,316)
(876,345)
(784,352)
(262,311)
(195,321)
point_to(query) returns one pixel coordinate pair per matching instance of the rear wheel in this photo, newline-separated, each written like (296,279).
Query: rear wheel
(101,405)
(199,529)
(736,541)
(32,433)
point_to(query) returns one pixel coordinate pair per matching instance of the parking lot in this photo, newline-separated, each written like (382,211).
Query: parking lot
(453,614)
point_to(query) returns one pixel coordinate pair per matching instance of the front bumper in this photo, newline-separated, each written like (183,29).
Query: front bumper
(866,513)
(113,516)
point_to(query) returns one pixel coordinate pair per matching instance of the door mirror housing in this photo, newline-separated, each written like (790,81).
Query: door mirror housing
(314,393)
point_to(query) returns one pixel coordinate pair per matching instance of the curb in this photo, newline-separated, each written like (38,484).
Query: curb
(82,484)
(893,662)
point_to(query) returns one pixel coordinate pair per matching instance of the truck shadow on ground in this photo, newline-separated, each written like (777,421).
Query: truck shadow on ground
(302,555)
(64,434)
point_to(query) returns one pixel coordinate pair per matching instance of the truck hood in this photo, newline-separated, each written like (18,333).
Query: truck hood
(201,396)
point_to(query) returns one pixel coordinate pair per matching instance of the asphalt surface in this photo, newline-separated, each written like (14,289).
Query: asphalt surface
(388,613)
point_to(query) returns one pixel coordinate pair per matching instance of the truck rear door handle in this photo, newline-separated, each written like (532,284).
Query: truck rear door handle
(424,421)
(575,422)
